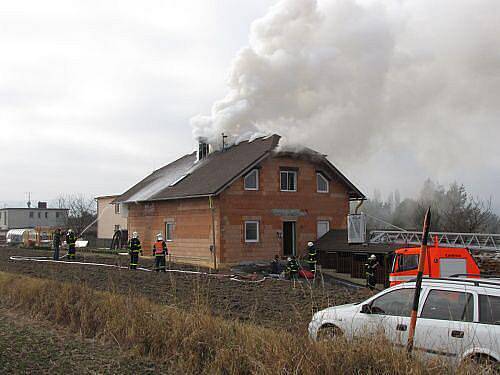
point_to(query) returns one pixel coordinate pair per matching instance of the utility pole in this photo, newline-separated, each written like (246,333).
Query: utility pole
(418,284)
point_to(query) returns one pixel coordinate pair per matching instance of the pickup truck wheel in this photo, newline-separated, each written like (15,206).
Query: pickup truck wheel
(328,332)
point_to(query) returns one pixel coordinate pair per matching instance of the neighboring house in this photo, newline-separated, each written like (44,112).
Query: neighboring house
(256,200)
(41,216)
(110,218)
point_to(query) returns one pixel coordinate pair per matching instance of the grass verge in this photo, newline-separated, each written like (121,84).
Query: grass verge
(196,341)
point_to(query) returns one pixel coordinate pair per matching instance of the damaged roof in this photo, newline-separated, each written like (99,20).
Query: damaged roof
(189,178)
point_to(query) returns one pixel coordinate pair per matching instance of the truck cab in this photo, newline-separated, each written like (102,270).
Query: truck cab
(440,262)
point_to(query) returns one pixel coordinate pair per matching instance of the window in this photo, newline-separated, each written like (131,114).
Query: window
(169,231)
(117,208)
(321,183)
(407,262)
(57,215)
(452,266)
(449,305)
(46,215)
(323,227)
(489,309)
(252,180)
(5,218)
(288,180)
(39,215)
(31,214)
(397,303)
(251,231)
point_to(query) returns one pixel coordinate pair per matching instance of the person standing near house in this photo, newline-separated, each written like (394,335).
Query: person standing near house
(371,269)
(71,242)
(312,257)
(160,251)
(293,268)
(56,243)
(134,248)
(276,266)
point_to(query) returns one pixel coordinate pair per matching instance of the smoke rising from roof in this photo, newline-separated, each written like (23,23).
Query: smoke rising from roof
(350,77)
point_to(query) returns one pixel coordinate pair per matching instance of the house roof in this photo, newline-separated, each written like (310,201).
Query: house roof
(189,178)
(336,241)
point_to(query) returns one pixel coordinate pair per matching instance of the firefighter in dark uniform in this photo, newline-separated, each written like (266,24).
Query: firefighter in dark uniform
(292,268)
(71,242)
(160,251)
(134,248)
(371,269)
(312,257)
(56,243)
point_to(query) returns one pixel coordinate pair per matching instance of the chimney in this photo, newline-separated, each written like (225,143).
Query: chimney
(42,204)
(203,148)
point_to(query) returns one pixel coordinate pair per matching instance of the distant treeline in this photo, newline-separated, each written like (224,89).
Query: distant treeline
(453,210)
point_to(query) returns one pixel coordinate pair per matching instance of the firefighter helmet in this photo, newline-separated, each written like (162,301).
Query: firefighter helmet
(372,257)
(159,237)
(135,235)
(310,244)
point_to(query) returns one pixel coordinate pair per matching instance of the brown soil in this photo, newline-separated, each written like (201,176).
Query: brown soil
(272,303)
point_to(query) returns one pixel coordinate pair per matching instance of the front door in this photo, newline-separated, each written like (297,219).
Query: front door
(289,236)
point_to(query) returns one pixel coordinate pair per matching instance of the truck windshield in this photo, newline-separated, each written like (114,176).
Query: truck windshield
(406,262)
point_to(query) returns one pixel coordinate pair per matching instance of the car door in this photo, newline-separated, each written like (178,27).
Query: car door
(487,331)
(388,313)
(445,325)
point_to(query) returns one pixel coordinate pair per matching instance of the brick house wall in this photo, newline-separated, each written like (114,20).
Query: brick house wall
(192,231)
(192,227)
(269,206)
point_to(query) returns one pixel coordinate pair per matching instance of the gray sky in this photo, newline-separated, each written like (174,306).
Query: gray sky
(94,95)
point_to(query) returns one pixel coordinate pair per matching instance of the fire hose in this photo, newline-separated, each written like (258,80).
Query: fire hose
(231,277)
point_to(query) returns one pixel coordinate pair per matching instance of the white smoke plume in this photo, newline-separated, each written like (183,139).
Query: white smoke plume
(348,77)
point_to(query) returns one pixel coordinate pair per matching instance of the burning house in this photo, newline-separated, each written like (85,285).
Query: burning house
(246,202)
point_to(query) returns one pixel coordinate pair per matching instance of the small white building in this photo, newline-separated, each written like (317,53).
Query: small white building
(31,217)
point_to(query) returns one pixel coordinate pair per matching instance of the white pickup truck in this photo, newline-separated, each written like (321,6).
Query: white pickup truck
(457,318)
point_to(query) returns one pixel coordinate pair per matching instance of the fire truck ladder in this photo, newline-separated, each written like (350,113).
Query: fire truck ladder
(473,241)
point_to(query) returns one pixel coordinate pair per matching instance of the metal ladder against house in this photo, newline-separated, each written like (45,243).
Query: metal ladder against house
(473,241)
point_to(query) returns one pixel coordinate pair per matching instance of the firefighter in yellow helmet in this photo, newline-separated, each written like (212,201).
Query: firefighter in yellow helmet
(134,248)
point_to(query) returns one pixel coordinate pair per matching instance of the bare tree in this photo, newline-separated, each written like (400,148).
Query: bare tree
(82,212)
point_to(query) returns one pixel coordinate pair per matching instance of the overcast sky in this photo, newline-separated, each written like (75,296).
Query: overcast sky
(94,95)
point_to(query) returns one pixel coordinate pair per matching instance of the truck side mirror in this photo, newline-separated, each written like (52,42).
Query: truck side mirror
(366,309)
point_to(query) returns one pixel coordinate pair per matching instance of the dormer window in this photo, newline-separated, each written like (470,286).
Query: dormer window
(321,183)
(252,180)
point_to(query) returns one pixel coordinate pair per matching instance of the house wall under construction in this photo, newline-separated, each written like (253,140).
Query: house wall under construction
(305,208)
(186,224)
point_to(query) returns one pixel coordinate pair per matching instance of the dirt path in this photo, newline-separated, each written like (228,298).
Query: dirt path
(271,303)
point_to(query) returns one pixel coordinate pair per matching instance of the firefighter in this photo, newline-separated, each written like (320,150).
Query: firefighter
(371,268)
(292,268)
(160,251)
(56,243)
(71,242)
(134,248)
(276,266)
(312,256)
